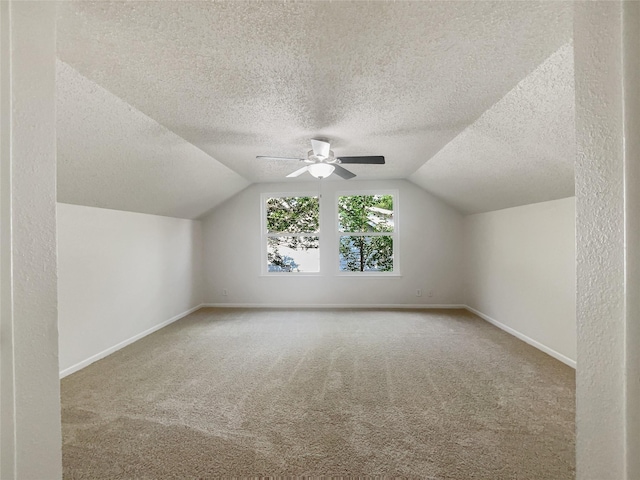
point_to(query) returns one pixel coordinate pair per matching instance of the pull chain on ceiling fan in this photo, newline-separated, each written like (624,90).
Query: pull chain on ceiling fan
(321,162)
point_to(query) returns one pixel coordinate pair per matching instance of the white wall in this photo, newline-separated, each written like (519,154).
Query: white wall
(607,43)
(520,272)
(30,402)
(632,233)
(121,274)
(430,243)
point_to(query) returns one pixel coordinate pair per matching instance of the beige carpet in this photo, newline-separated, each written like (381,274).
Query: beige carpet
(435,394)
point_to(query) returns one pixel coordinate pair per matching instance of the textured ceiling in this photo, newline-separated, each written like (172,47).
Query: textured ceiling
(520,151)
(112,156)
(240,79)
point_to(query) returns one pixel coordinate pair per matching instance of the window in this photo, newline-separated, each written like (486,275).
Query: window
(367,233)
(292,234)
(365,239)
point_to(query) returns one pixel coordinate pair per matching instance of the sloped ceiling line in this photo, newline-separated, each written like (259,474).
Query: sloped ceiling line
(240,79)
(520,151)
(111,155)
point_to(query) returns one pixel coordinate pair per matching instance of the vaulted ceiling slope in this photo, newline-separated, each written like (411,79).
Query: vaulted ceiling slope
(520,151)
(240,79)
(110,155)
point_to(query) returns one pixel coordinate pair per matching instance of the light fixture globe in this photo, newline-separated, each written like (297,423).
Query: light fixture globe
(321,170)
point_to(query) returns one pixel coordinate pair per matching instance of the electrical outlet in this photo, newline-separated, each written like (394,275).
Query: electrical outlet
(430,294)
(224,292)
(418,293)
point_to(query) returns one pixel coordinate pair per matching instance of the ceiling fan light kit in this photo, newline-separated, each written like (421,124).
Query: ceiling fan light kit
(321,170)
(322,162)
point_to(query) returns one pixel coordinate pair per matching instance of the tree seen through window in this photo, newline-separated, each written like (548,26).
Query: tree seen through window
(364,241)
(292,234)
(369,221)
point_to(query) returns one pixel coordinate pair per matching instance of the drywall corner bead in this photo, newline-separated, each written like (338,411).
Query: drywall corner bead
(600,415)
(30,406)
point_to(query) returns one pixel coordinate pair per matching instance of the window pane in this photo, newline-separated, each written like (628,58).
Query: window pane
(293,254)
(366,254)
(293,215)
(365,213)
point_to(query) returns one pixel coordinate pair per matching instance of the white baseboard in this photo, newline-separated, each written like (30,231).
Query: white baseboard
(110,350)
(515,333)
(332,305)
(523,337)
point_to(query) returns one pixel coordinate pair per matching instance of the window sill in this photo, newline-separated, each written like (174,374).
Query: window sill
(368,274)
(291,274)
(335,274)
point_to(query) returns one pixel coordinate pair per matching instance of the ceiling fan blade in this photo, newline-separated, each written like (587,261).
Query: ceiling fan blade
(298,172)
(343,172)
(263,157)
(320,148)
(372,160)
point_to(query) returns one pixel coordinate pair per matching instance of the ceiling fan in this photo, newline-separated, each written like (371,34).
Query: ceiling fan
(321,162)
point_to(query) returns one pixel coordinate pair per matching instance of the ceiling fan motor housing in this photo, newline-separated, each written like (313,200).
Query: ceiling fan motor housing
(315,158)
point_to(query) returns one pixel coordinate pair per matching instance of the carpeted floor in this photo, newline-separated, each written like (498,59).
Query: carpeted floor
(437,394)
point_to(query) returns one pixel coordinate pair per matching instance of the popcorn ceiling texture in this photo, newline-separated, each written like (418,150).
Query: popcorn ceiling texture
(520,151)
(110,155)
(240,79)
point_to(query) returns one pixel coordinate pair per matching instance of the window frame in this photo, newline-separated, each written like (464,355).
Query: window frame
(394,235)
(264,234)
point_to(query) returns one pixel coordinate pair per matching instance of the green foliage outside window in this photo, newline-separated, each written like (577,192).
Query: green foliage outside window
(366,222)
(361,214)
(291,215)
(363,253)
